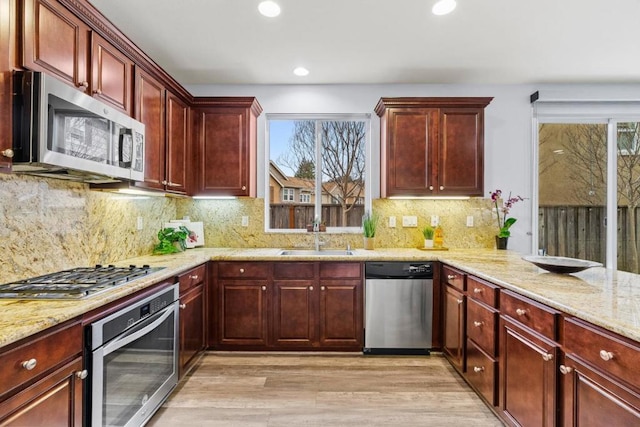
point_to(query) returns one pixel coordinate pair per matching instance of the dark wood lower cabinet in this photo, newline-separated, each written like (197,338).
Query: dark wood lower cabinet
(294,316)
(341,323)
(528,390)
(55,400)
(591,397)
(242,313)
(191,327)
(454,324)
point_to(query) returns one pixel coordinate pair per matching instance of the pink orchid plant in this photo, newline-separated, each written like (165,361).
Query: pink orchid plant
(504,223)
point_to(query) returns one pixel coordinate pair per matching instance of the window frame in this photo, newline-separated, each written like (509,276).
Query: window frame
(368,174)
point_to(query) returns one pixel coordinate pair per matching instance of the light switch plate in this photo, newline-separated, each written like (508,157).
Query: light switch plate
(245,221)
(409,221)
(470,221)
(392,222)
(434,220)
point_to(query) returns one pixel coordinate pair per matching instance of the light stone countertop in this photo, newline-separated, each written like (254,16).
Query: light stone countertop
(603,297)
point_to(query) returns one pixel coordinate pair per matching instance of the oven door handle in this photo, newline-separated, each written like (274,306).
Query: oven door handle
(140,330)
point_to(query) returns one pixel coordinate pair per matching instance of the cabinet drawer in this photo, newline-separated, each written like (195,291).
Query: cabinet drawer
(243,270)
(340,270)
(603,349)
(192,278)
(541,319)
(483,291)
(481,373)
(293,270)
(481,326)
(48,351)
(453,277)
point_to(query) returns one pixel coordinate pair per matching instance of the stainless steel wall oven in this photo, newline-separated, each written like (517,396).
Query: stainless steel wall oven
(133,360)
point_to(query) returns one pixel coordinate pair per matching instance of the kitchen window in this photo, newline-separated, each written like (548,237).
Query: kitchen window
(288,194)
(324,158)
(587,203)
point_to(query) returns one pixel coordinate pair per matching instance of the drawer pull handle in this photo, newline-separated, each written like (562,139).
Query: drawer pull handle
(431,187)
(8,153)
(564,370)
(477,324)
(477,290)
(451,276)
(183,306)
(264,288)
(547,357)
(441,187)
(521,311)
(310,288)
(194,277)
(29,364)
(459,301)
(242,270)
(478,369)
(606,355)
(82,374)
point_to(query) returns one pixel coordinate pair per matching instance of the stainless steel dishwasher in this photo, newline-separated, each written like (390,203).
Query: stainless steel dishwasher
(398,307)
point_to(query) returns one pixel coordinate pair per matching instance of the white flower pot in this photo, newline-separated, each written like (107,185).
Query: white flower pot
(428,243)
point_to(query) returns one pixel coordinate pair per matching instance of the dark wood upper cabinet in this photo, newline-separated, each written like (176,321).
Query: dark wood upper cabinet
(432,146)
(226,146)
(111,74)
(178,145)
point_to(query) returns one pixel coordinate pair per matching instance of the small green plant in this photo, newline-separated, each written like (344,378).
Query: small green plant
(428,231)
(369,224)
(168,237)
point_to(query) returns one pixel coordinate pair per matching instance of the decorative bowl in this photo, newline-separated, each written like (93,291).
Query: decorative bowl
(562,265)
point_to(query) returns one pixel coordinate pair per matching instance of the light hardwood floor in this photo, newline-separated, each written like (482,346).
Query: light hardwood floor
(323,390)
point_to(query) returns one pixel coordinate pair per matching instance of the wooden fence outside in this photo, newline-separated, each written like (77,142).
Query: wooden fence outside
(580,232)
(292,215)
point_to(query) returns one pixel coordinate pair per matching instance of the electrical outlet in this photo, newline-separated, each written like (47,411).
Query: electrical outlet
(392,222)
(139,223)
(409,221)
(245,221)
(470,221)
(435,220)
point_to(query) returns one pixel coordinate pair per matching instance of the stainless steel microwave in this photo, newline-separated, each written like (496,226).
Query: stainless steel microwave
(63,133)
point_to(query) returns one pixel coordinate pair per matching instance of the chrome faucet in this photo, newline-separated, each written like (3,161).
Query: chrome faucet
(317,242)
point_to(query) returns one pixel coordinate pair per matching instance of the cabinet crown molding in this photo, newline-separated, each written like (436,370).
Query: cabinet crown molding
(431,102)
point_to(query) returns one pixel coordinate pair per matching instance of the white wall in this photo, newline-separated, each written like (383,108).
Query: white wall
(508,164)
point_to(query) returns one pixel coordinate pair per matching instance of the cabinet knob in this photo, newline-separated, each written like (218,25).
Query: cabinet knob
(183,306)
(82,374)
(8,153)
(194,277)
(547,357)
(84,84)
(477,290)
(163,182)
(564,370)
(310,288)
(322,288)
(478,369)
(29,364)
(451,276)
(606,355)
(244,187)
(441,187)
(477,324)
(264,288)
(242,270)
(521,311)
(459,301)
(97,92)
(431,187)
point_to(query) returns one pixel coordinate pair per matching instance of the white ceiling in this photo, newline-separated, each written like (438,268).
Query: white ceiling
(386,41)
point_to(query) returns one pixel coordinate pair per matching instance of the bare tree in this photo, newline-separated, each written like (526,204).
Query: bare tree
(342,154)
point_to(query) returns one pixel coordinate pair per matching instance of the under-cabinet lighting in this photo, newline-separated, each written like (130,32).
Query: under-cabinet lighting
(214,197)
(270,9)
(136,192)
(129,197)
(443,7)
(429,197)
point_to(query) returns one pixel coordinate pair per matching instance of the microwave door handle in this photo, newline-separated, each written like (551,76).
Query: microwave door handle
(129,133)
(140,330)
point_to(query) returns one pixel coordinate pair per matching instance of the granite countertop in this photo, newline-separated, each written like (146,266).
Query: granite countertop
(600,296)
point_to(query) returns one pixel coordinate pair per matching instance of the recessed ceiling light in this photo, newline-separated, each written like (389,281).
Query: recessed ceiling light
(301,71)
(269,8)
(443,7)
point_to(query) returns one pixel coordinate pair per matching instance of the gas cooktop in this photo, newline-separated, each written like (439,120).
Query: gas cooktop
(76,283)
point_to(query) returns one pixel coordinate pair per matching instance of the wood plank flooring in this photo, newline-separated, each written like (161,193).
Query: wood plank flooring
(322,390)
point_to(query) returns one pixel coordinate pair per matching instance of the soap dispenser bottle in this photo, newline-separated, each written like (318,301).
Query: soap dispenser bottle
(438,237)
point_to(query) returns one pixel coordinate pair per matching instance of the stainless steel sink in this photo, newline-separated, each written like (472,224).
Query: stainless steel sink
(311,252)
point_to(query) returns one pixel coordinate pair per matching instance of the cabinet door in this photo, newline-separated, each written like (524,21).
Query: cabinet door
(191,327)
(242,313)
(461,152)
(593,398)
(295,305)
(177,144)
(150,98)
(412,135)
(55,41)
(528,376)
(111,74)
(56,400)
(454,322)
(341,304)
